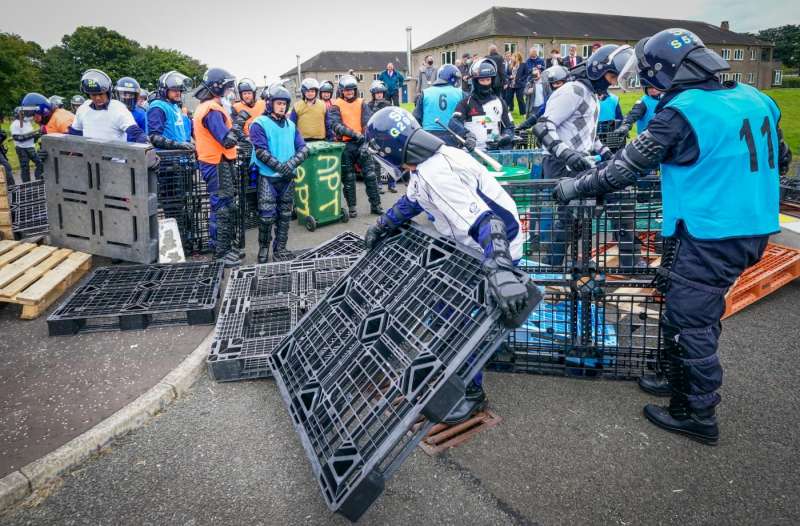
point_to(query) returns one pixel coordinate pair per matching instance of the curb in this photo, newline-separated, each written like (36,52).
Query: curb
(19,484)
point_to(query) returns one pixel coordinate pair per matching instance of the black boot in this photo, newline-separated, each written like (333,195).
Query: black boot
(474,401)
(679,417)
(658,384)
(223,250)
(697,425)
(279,252)
(264,237)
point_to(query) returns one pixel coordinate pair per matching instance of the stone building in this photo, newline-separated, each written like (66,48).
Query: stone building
(331,65)
(513,29)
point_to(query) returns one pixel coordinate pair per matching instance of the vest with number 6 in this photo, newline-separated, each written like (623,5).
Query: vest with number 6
(650,111)
(731,190)
(439,102)
(281,143)
(174,126)
(351,114)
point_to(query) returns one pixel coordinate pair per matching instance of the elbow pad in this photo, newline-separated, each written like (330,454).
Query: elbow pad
(638,158)
(545,131)
(162,143)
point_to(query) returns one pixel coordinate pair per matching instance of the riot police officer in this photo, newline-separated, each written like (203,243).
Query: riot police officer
(721,151)
(309,113)
(127,91)
(439,102)
(247,108)
(166,124)
(216,156)
(483,116)
(642,112)
(104,118)
(347,118)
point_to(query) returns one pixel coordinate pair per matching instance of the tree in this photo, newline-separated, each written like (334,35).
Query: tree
(150,62)
(20,63)
(787,43)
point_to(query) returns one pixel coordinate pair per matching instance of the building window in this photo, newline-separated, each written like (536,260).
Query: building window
(338,77)
(510,47)
(565,49)
(726,54)
(724,77)
(587,50)
(737,77)
(375,76)
(449,57)
(738,54)
(751,77)
(777,77)
(753,54)
(765,54)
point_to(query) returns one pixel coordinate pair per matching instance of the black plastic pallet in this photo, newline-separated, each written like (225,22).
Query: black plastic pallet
(344,244)
(128,297)
(399,336)
(262,304)
(609,330)
(28,203)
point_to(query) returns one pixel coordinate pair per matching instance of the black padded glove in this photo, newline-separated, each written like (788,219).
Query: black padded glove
(470,143)
(576,162)
(566,190)
(505,141)
(622,130)
(376,233)
(509,291)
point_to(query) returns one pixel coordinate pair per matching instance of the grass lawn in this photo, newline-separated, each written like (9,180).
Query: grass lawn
(788,100)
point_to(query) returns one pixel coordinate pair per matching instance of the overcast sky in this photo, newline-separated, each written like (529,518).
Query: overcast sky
(253,39)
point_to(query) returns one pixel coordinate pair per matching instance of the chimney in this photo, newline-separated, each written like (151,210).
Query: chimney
(725,25)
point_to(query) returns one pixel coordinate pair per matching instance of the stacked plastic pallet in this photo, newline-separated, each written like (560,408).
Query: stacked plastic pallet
(263,303)
(594,261)
(29,209)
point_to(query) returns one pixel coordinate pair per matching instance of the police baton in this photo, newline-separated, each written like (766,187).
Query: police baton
(497,167)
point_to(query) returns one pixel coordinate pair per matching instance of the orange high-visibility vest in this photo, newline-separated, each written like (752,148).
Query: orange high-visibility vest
(256,111)
(60,121)
(351,114)
(208,149)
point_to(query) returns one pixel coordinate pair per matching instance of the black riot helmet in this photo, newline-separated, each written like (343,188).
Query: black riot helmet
(610,58)
(95,82)
(482,69)
(216,82)
(672,58)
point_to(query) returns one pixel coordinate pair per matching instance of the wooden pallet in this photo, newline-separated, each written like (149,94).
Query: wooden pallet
(6,232)
(778,266)
(443,437)
(35,276)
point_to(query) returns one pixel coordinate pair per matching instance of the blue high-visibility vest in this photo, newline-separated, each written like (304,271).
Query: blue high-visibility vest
(174,127)
(650,104)
(732,189)
(281,143)
(608,108)
(439,102)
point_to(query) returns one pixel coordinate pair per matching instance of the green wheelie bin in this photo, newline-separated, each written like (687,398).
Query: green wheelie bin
(318,187)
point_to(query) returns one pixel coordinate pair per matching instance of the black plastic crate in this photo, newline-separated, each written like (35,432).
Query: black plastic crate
(626,228)
(400,336)
(262,304)
(790,190)
(557,237)
(610,331)
(605,132)
(344,244)
(128,297)
(26,193)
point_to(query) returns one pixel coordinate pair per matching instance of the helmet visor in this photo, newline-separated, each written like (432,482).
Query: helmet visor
(629,74)
(394,172)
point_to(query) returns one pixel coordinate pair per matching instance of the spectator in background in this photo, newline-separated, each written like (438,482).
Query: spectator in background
(572,60)
(427,74)
(555,58)
(508,69)
(466,62)
(535,92)
(519,77)
(394,81)
(534,63)
(497,60)
(24,136)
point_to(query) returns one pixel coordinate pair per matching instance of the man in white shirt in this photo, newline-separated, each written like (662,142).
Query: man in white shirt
(102,117)
(24,136)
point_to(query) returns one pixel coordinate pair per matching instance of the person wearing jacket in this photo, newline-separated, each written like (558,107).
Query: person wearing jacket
(394,82)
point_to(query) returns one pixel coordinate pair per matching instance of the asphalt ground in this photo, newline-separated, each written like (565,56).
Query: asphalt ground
(568,451)
(52,389)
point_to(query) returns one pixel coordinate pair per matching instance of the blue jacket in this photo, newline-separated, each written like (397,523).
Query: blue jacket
(393,83)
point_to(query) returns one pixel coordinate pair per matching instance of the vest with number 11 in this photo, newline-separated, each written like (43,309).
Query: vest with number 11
(731,190)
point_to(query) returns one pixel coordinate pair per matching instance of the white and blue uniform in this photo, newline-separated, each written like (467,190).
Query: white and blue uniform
(456,191)
(109,124)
